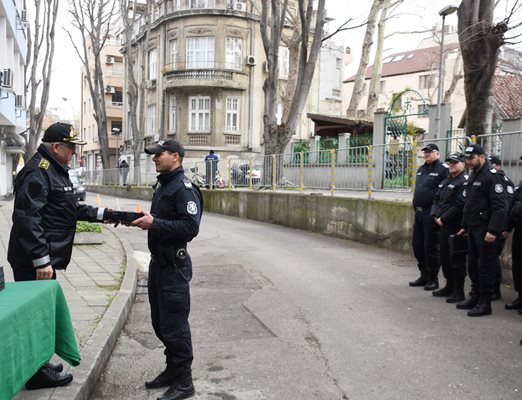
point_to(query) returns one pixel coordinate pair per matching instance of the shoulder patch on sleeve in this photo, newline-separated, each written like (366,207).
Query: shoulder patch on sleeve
(44,164)
(187,182)
(493,170)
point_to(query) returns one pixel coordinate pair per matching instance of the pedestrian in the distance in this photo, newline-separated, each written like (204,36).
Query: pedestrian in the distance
(44,223)
(425,240)
(211,164)
(173,221)
(124,171)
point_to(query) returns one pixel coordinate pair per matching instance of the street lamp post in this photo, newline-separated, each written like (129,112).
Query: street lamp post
(443,13)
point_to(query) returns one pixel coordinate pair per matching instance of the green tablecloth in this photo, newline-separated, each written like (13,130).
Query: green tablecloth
(34,324)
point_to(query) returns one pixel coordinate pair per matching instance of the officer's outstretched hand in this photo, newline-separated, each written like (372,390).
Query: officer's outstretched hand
(490,238)
(462,232)
(44,273)
(144,222)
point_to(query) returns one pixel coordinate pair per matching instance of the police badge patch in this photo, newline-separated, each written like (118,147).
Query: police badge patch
(192,208)
(510,189)
(498,188)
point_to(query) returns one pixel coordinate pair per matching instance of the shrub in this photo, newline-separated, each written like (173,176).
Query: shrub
(82,226)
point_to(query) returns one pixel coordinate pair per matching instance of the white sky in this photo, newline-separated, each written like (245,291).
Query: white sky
(412,15)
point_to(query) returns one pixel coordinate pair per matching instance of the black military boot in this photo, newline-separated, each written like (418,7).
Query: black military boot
(483,306)
(164,379)
(445,291)
(469,303)
(47,377)
(181,389)
(457,296)
(422,280)
(515,305)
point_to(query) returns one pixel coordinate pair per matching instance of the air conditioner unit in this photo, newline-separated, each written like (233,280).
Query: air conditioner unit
(251,60)
(19,101)
(110,89)
(239,6)
(7,78)
(23,16)
(109,60)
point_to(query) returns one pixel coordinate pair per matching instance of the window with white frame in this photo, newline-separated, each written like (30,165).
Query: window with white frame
(151,119)
(201,3)
(173,52)
(234,54)
(426,81)
(199,114)
(233,114)
(200,52)
(172,113)
(284,56)
(153,64)
(382,87)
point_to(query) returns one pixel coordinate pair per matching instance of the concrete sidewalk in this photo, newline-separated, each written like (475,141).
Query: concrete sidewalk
(99,286)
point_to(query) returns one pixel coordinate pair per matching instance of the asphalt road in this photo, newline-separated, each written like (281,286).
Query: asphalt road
(285,314)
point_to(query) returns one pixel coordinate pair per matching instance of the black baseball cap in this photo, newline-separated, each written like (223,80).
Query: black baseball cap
(473,149)
(456,157)
(494,160)
(166,145)
(430,147)
(61,132)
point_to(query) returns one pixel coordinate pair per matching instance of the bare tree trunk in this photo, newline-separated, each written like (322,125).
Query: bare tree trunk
(360,76)
(39,62)
(479,42)
(93,20)
(373,92)
(456,77)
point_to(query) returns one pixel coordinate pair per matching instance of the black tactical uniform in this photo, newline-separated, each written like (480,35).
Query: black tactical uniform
(447,206)
(425,238)
(485,210)
(44,217)
(515,223)
(177,209)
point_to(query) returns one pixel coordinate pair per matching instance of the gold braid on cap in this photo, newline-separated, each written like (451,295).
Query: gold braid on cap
(72,135)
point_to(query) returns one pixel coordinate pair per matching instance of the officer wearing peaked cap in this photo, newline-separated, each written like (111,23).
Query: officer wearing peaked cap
(484,219)
(425,238)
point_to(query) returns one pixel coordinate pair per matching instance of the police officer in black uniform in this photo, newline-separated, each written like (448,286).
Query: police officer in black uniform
(509,187)
(515,223)
(44,223)
(447,213)
(425,231)
(484,219)
(173,221)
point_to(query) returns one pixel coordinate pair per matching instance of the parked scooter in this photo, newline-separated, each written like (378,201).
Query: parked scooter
(199,179)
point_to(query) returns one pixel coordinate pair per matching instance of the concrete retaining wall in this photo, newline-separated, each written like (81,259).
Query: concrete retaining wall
(383,223)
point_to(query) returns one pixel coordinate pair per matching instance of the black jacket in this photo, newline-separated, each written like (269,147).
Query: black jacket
(449,202)
(177,206)
(515,213)
(45,215)
(429,176)
(486,201)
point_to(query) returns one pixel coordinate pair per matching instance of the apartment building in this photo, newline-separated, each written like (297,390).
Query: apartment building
(205,69)
(113,78)
(13,19)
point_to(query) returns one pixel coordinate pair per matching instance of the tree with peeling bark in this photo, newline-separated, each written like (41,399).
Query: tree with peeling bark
(135,50)
(360,76)
(38,69)
(93,21)
(273,18)
(480,40)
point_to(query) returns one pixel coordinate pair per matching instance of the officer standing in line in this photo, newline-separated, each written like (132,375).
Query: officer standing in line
(44,223)
(447,213)
(425,239)
(509,188)
(484,219)
(173,221)
(515,223)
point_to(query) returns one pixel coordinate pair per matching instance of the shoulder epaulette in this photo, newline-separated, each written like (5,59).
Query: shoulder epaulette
(187,182)
(44,164)
(493,170)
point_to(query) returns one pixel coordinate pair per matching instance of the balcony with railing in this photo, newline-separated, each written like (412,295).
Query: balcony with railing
(204,75)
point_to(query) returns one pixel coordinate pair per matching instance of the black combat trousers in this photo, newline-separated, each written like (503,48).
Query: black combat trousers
(482,258)
(453,265)
(516,263)
(425,242)
(169,297)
